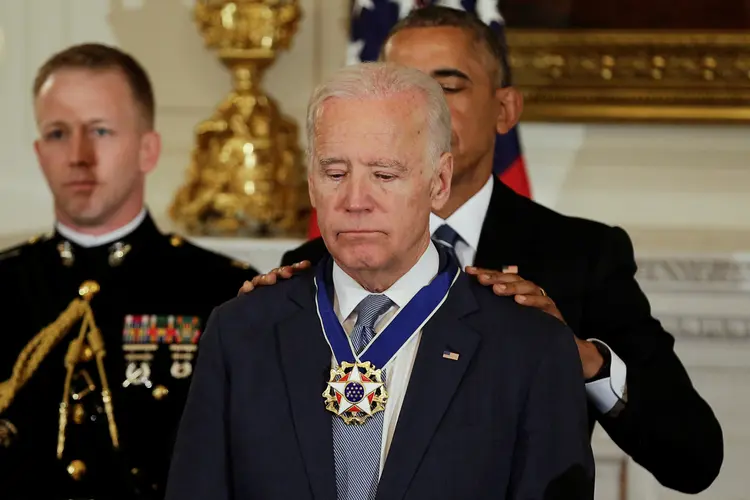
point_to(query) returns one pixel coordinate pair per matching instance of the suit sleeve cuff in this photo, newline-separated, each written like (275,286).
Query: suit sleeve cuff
(607,392)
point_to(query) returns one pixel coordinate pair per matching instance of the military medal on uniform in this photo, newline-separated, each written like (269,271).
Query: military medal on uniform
(143,334)
(356,390)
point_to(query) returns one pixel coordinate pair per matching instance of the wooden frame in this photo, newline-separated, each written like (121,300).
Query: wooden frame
(607,75)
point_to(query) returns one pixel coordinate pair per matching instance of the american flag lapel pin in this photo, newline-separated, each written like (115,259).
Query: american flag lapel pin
(453,356)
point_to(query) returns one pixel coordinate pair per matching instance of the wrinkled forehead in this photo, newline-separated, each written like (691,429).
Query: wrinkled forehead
(400,114)
(370,129)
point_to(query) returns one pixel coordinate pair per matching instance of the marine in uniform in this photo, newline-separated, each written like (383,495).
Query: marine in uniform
(151,295)
(103,317)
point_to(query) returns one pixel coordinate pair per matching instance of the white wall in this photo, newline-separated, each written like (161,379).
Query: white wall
(676,189)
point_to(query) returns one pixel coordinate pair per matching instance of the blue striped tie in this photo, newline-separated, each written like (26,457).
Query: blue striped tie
(356,448)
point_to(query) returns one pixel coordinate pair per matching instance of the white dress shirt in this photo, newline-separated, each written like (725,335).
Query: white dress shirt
(467,221)
(347,296)
(89,241)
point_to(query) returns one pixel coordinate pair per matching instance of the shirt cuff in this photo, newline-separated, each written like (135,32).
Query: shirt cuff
(607,392)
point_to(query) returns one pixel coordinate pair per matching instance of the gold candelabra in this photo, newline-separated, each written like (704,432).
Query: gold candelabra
(246,176)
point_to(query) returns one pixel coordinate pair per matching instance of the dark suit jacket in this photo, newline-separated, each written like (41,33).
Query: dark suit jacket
(588,269)
(506,420)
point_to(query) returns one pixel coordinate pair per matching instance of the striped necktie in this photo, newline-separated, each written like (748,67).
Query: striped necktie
(356,448)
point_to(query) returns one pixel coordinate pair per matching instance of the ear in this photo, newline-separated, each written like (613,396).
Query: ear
(150,151)
(441,182)
(37,142)
(511,106)
(310,190)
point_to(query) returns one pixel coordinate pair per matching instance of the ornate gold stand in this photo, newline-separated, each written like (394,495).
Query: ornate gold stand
(246,176)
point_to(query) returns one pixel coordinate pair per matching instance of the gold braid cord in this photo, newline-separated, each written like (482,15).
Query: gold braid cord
(40,346)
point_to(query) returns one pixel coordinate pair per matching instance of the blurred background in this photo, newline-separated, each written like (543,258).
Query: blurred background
(676,177)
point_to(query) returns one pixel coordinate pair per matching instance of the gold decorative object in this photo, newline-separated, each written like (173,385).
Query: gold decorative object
(632,76)
(77,469)
(246,176)
(39,347)
(160,392)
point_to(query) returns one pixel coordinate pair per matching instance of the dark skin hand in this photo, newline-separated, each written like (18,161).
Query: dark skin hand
(505,283)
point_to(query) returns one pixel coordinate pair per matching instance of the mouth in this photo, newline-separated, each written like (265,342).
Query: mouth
(359,232)
(81,185)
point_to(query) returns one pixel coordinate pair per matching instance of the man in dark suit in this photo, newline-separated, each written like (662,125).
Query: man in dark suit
(386,370)
(577,270)
(150,294)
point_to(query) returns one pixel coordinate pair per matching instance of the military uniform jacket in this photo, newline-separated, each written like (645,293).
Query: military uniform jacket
(156,292)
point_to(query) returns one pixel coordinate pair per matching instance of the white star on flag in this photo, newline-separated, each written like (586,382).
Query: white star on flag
(454,4)
(362,4)
(404,7)
(369,387)
(353,50)
(487,11)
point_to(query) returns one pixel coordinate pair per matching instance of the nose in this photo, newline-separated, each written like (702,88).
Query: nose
(81,150)
(358,194)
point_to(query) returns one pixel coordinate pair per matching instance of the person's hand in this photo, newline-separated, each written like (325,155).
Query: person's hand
(527,293)
(271,277)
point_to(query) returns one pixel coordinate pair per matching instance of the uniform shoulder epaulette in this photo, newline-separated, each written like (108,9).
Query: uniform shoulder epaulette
(240,264)
(179,241)
(17,250)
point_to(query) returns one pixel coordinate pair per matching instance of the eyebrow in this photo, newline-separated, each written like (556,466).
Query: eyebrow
(378,162)
(387,163)
(324,162)
(450,72)
(60,123)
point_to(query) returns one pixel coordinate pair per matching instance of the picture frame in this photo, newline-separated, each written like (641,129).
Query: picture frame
(630,60)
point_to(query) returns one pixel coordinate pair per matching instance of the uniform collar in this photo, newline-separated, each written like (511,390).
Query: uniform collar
(90,241)
(108,250)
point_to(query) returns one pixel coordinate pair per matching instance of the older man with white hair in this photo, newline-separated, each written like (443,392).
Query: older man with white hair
(383,371)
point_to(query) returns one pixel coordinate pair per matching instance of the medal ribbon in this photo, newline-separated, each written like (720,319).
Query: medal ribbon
(388,342)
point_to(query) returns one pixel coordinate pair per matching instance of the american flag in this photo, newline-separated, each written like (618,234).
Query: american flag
(371,20)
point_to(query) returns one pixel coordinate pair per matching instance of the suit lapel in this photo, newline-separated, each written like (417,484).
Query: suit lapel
(498,241)
(306,364)
(433,382)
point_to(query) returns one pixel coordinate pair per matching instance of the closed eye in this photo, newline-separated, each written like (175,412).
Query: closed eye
(385,177)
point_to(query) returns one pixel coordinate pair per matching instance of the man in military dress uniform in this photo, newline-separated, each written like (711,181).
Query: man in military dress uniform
(150,293)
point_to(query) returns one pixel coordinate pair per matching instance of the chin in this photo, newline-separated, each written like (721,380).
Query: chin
(359,257)
(86,217)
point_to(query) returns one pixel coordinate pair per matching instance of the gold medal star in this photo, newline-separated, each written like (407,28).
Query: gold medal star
(354,392)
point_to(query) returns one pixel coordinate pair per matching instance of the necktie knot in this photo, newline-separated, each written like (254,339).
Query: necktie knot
(369,310)
(446,235)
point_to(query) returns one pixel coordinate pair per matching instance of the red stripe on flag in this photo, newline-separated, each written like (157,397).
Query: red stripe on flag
(313,231)
(516,178)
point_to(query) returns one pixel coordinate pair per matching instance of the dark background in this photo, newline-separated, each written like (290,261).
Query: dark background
(627,14)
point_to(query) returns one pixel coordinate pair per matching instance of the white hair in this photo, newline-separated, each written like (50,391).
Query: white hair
(378,80)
